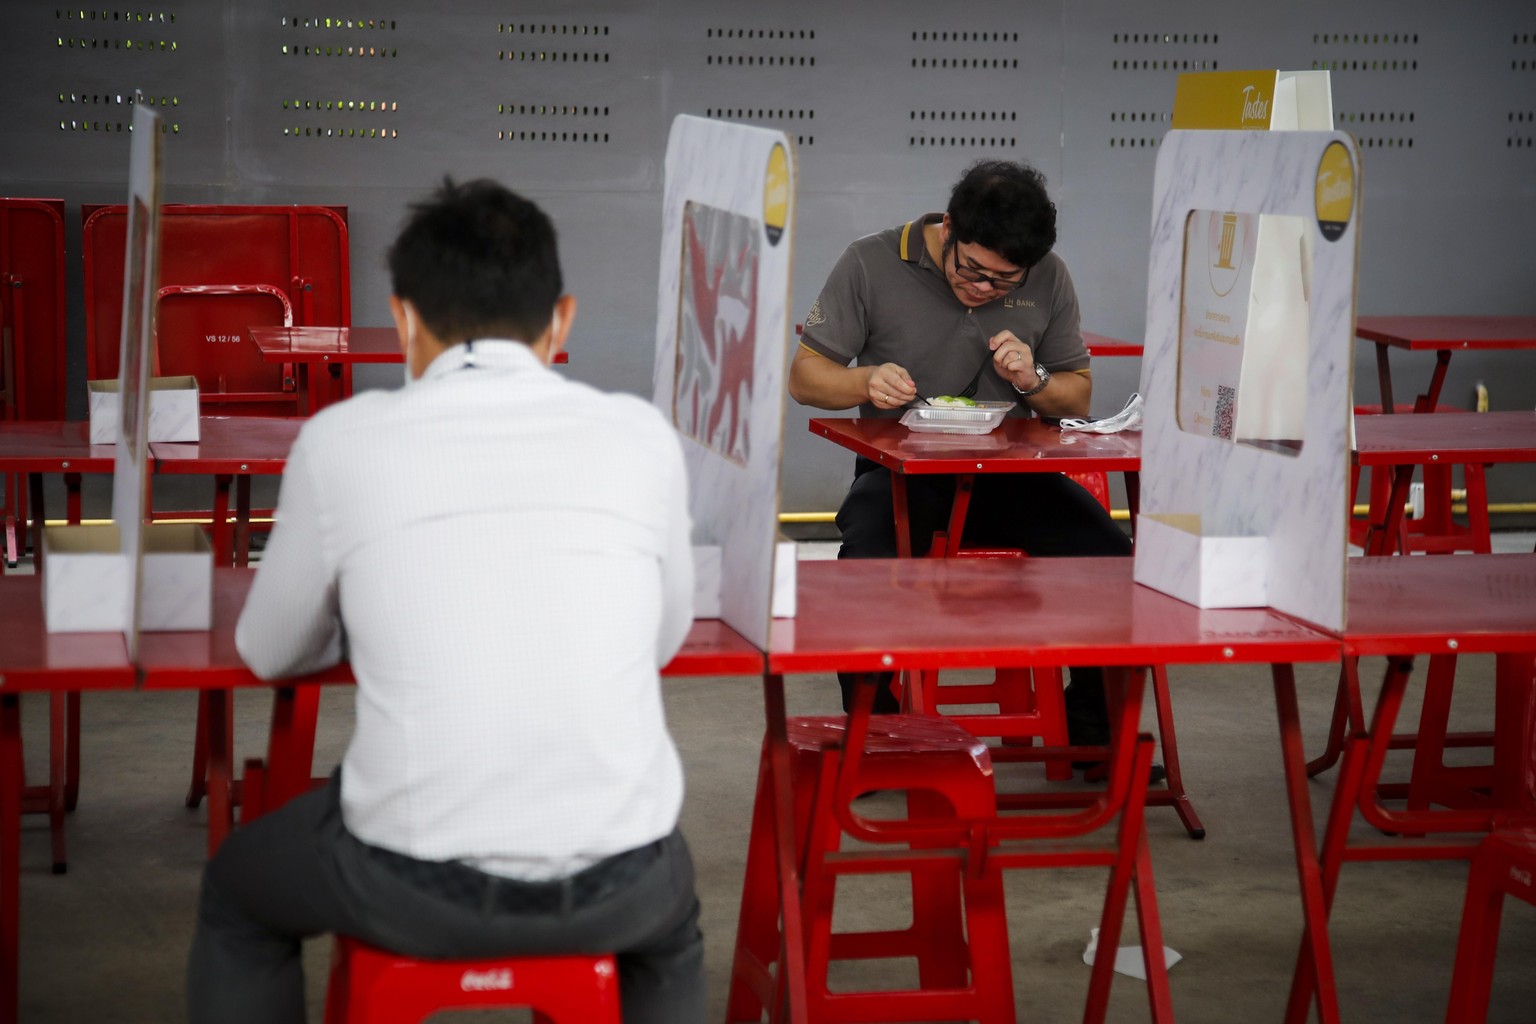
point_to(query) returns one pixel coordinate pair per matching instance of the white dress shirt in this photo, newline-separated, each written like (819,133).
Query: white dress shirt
(509,553)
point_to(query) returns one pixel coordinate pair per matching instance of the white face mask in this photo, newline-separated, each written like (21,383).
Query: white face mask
(410,342)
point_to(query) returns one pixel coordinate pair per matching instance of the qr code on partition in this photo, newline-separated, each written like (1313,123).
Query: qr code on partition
(1225,420)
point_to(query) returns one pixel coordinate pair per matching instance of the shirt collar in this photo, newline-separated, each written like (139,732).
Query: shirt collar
(912,247)
(493,353)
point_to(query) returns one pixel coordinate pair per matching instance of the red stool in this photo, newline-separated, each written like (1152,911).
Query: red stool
(370,986)
(958,934)
(1505,863)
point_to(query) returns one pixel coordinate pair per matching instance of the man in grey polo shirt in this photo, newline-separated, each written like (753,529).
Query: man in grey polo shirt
(969,301)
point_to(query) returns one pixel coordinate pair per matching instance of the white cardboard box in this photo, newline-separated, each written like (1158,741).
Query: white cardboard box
(85,579)
(707,571)
(173,409)
(1174,556)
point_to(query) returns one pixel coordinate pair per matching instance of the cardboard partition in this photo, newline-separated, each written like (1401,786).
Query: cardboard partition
(1244,480)
(173,409)
(722,336)
(128,576)
(1254,101)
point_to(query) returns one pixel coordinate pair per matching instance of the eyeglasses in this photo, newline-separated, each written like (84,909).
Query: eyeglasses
(975,276)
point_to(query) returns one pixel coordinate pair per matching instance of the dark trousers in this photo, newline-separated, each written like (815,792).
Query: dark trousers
(1044,514)
(298,872)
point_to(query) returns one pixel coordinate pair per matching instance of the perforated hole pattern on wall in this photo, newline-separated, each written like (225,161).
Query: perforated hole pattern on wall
(1522,130)
(119,99)
(352,109)
(768,114)
(131,25)
(343,48)
(968,39)
(775,59)
(1139,40)
(567,32)
(991,119)
(1517,62)
(1154,121)
(1375,43)
(1392,124)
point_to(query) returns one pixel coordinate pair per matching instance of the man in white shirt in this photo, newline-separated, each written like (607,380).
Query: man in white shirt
(504,555)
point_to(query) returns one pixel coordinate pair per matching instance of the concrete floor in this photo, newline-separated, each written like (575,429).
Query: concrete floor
(107,941)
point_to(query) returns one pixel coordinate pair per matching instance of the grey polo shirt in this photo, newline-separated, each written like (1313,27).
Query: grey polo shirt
(887,302)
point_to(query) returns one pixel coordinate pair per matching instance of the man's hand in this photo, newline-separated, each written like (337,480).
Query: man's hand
(1067,394)
(817,381)
(890,386)
(1013,360)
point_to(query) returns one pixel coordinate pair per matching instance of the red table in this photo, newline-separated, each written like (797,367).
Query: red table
(210,663)
(1441,335)
(38,447)
(1399,443)
(1100,345)
(33,660)
(338,349)
(879,615)
(1440,607)
(231,449)
(1016,446)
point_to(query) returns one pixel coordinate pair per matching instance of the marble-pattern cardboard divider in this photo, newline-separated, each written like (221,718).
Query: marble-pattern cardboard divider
(721,344)
(1297,502)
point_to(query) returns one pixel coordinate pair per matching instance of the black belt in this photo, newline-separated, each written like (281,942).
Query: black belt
(466,886)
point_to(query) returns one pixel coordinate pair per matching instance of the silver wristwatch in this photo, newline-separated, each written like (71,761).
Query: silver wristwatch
(1045,378)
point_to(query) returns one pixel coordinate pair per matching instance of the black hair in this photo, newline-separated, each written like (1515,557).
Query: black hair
(1003,206)
(478,261)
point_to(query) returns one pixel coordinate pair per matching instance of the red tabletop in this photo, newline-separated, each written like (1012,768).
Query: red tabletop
(1444,437)
(31,658)
(231,444)
(1427,333)
(333,345)
(208,660)
(1443,604)
(56,446)
(1016,446)
(892,614)
(1099,345)
(327,344)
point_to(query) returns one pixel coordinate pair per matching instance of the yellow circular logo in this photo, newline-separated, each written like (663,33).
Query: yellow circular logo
(1335,199)
(776,194)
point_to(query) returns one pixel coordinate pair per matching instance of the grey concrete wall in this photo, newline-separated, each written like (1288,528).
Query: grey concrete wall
(368,104)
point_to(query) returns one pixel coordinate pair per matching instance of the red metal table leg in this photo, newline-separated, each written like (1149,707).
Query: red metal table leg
(1380,540)
(1315,940)
(56,773)
(899,509)
(1133,497)
(220,768)
(290,744)
(39,519)
(791,1002)
(72,746)
(1431,398)
(10,852)
(243,521)
(1515,723)
(1384,379)
(222,544)
(1348,717)
(1175,795)
(965,484)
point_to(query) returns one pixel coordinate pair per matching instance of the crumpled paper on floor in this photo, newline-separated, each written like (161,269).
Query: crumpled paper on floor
(1128,959)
